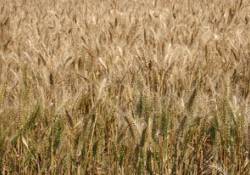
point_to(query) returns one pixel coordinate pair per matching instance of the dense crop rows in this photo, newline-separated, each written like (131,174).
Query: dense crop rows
(124,87)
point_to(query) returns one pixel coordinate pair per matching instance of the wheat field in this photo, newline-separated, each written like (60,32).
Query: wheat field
(125,87)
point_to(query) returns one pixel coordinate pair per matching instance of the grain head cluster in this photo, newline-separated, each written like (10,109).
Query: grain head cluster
(124,87)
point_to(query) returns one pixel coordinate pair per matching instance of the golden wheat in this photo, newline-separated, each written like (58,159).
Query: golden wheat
(124,87)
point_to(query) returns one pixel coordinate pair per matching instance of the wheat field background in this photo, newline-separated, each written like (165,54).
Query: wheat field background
(125,87)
